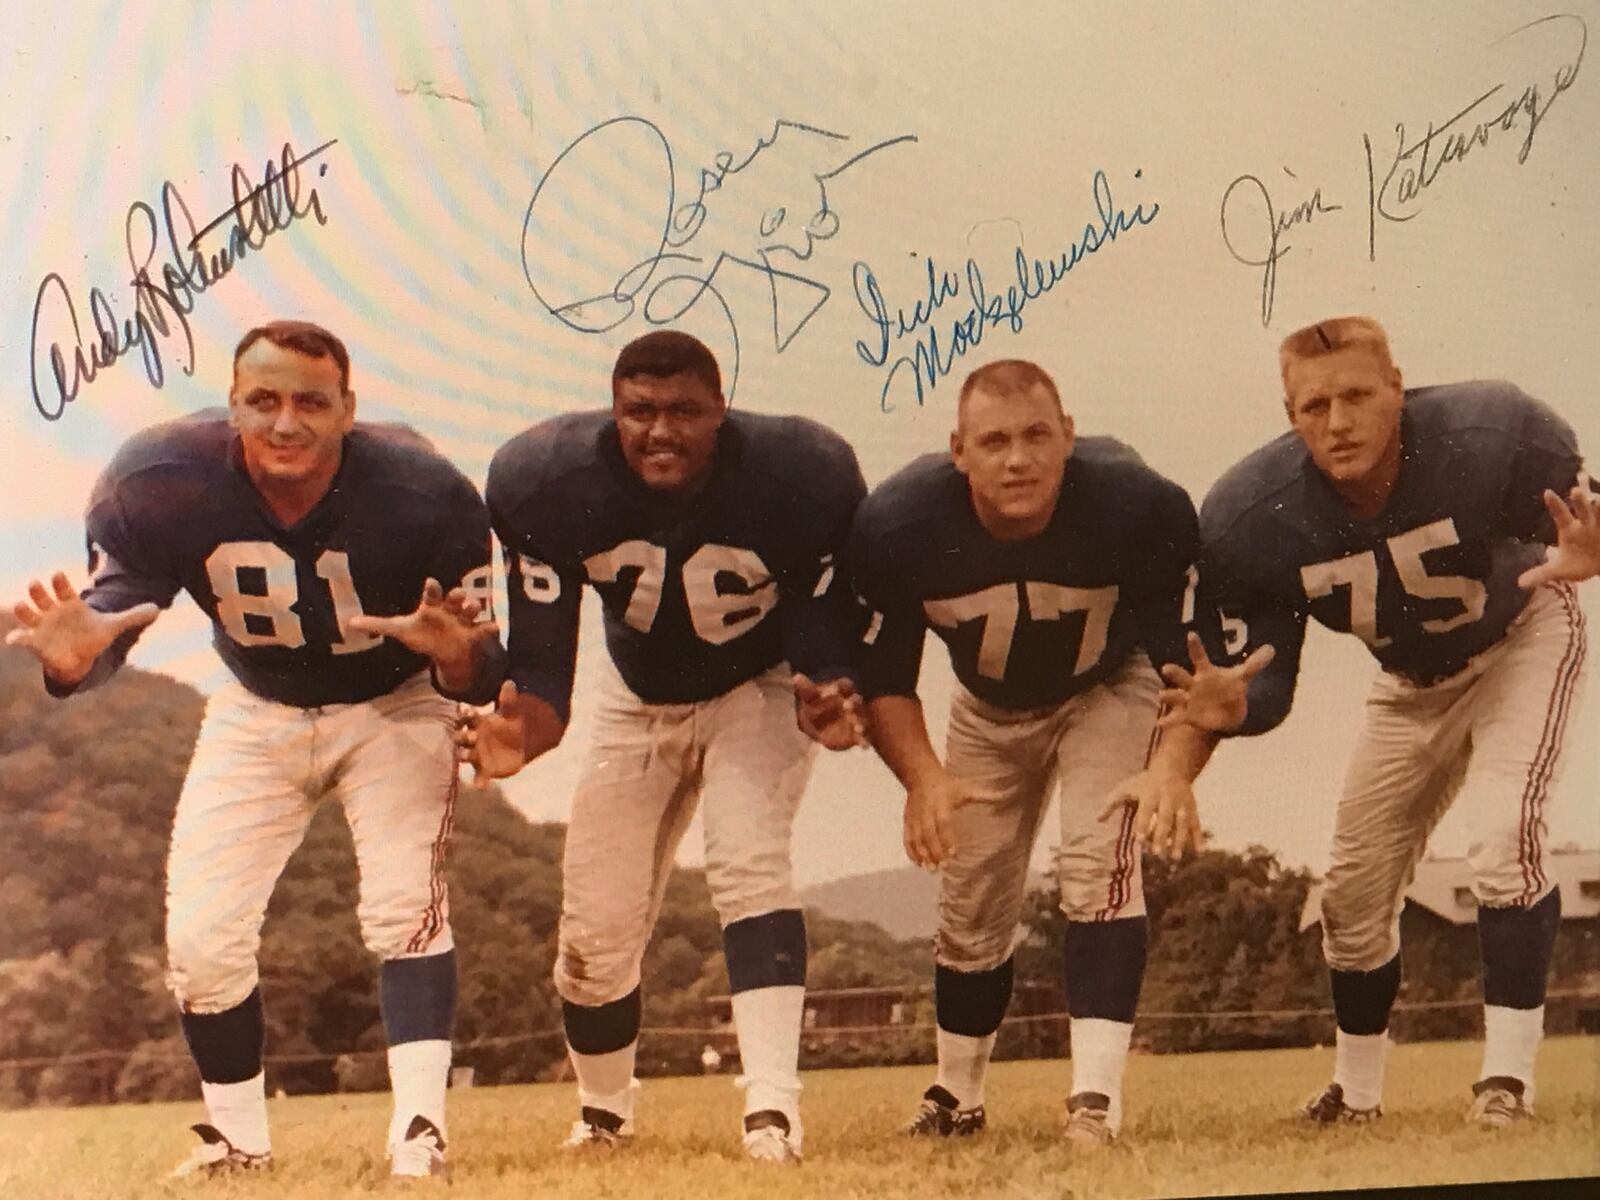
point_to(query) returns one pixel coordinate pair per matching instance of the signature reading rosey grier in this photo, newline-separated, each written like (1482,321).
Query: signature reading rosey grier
(679,266)
(164,292)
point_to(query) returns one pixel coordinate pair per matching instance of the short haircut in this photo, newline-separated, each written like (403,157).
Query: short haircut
(1007,377)
(1332,335)
(667,352)
(302,337)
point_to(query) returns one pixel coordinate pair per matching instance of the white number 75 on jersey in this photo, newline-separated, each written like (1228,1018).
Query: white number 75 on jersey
(1359,572)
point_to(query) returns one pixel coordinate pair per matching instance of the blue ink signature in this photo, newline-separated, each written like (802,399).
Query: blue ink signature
(1270,245)
(933,357)
(1412,171)
(165,295)
(680,269)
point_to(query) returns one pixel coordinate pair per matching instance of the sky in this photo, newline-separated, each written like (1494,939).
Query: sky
(487,201)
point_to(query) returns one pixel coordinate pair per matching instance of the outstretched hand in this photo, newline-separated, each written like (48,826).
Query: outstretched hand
(1576,554)
(1211,698)
(444,628)
(830,714)
(493,743)
(64,633)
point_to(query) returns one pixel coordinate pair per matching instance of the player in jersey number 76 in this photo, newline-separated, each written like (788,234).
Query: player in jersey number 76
(1443,526)
(307,538)
(710,536)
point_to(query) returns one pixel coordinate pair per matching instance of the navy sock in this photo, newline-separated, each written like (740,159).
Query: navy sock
(602,1028)
(766,951)
(418,997)
(1362,999)
(971,1003)
(227,1045)
(1103,962)
(1516,945)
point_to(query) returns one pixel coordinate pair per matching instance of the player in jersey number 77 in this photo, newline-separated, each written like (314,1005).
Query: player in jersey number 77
(1443,526)
(710,536)
(1057,570)
(307,538)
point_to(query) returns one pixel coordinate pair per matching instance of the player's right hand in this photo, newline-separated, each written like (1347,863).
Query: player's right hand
(64,633)
(1211,698)
(930,805)
(494,742)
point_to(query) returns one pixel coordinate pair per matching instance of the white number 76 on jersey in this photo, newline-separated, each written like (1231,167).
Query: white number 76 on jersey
(1359,572)
(718,616)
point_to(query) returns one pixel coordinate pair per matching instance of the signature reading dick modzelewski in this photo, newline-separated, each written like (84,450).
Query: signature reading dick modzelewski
(174,263)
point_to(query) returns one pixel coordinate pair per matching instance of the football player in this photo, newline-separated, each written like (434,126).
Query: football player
(710,537)
(1057,570)
(1444,526)
(307,538)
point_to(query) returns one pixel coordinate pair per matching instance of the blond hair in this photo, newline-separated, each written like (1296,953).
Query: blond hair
(1331,336)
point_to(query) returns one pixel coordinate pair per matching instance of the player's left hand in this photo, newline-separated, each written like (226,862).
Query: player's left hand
(444,627)
(830,714)
(1211,698)
(1165,818)
(1576,554)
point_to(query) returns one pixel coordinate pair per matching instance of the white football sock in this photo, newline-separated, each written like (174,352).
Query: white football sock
(606,1080)
(767,1021)
(419,1072)
(1099,1054)
(239,1111)
(1511,1039)
(1358,1060)
(963,1064)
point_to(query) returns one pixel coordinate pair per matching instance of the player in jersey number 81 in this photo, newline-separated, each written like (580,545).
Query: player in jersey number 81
(1444,526)
(1057,570)
(307,538)
(710,537)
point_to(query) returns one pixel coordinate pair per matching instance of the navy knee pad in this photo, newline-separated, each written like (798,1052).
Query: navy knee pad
(1362,999)
(1516,945)
(1103,964)
(602,1028)
(227,1045)
(972,1003)
(766,951)
(417,997)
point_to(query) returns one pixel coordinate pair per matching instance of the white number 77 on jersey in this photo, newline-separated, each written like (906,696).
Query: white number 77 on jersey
(999,606)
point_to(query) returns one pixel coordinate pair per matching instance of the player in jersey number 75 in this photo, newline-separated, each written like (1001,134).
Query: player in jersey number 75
(710,536)
(1443,526)
(307,538)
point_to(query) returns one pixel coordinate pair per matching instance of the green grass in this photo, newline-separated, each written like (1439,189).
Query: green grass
(1196,1124)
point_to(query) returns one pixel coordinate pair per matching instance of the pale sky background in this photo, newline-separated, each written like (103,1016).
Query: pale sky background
(446,118)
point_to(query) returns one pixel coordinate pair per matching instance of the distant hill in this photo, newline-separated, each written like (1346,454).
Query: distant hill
(904,902)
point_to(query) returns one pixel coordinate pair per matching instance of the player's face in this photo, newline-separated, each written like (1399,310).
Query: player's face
(1346,408)
(1013,449)
(668,428)
(291,414)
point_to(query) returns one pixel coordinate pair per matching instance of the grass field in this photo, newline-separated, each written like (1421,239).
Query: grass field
(1196,1124)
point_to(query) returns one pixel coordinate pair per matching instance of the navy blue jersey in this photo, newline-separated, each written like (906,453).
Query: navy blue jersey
(176,511)
(699,596)
(1028,623)
(1428,582)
